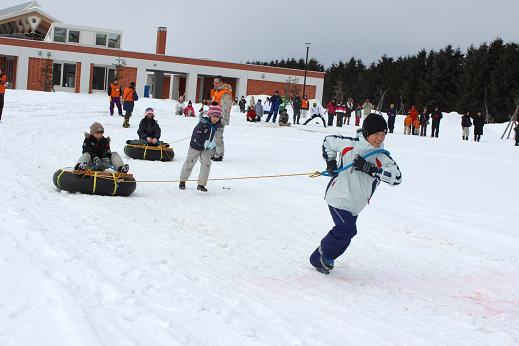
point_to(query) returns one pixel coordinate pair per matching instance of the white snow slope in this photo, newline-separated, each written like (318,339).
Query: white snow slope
(435,261)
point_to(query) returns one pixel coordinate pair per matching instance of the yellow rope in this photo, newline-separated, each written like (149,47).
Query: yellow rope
(95,183)
(309,174)
(145,150)
(115,184)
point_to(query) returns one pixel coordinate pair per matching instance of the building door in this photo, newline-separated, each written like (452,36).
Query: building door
(166,87)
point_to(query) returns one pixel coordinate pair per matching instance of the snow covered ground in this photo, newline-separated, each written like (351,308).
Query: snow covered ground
(435,261)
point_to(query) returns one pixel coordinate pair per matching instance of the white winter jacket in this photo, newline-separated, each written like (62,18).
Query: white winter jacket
(351,190)
(267,105)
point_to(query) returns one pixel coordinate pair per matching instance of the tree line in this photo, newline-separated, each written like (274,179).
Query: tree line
(484,78)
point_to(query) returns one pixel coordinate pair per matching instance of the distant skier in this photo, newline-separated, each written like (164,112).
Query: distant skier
(97,154)
(466,123)
(391,117)
(296,106)
(115,92)
(149,130)
(202,142)
(479,122)
(350,190)
(3,83)
(436,117)
(424,121)
(316,113)
(129,98)
(242,104)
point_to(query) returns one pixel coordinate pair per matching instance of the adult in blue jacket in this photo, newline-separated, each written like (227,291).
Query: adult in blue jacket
(276,102)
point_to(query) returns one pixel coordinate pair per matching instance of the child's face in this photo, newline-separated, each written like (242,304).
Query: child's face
(98,135)
(376,139)
(214,119)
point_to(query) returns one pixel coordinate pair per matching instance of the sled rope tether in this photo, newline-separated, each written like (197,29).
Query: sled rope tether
(284,175)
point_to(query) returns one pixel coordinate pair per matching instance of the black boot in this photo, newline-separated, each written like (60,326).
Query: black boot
(201,188)
(182,185)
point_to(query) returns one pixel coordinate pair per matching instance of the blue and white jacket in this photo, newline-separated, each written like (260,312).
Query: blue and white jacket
(351,190)
(203,135)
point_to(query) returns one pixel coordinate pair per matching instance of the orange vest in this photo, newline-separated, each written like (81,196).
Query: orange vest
(3,82)
(408,121)
(128,94)
(115,90)
(305,104)
(216,95)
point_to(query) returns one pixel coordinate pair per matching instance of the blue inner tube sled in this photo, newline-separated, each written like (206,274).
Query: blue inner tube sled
(136,150)
(103,183)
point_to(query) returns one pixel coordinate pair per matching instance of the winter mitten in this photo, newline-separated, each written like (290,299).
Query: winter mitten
(331,166)
(124,168)
(209,144)
(360,164)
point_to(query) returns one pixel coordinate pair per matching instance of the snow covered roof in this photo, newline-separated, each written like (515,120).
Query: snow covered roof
(22,9)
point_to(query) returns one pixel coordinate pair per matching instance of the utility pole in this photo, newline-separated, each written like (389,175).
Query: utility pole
(308,44)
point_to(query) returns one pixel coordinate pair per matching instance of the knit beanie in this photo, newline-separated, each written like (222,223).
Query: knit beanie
(215,110)
(372,124)
(96,127)
(149,111)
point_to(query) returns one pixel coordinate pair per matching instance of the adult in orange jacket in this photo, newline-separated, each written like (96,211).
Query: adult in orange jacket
(115,92)
(408,123)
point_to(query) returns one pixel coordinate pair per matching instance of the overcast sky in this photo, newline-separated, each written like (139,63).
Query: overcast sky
(241,30)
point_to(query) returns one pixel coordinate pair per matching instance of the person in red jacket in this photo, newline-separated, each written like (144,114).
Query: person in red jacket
(251,114)
(189,111)
(413,113)
(330,107)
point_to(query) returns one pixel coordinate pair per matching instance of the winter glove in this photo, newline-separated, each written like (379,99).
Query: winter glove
(360,164)
(97,161)
(209,144)
(331,166)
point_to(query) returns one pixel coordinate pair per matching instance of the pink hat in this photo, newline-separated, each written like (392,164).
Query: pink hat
(215,110)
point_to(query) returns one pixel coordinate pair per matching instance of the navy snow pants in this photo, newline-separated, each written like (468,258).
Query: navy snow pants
(338,239)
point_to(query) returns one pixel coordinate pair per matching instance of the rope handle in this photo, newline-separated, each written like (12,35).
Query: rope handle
(336,171)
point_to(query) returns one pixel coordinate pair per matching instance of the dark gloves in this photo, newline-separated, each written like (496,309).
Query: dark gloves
(331,166)
(360,164)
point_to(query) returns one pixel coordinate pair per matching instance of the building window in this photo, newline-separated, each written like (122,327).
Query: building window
(60,35)
(102,77)
(101,39)
(73,36)
(69,76)
(64,75)
(114,41)
(56,74)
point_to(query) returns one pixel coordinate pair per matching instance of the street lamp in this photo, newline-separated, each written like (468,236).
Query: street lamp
(308,44)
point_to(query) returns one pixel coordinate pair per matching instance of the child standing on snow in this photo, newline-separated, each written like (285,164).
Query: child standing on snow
(202,142)
(97,154)
(358,114)
(259,110)
(408,123)
(129,98)
(350,190)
